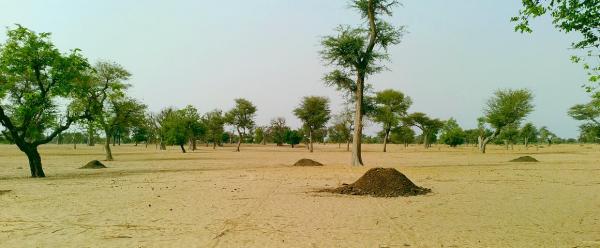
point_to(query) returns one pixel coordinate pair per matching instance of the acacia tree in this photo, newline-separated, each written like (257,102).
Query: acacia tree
(242,118)
(277,130)
(452,134)
(356,53)
(402,135)
(34,75)
(506,107)
(390,107)
(547,136)
(428,126)
(314,113)
(194,128)
(581,16)
(528,133)
(292,137)
(214,122)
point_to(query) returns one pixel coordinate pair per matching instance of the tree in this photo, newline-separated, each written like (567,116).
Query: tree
(177,127)
(314,113)
(112,110)
(509,135)
(547,136)
(34,75)
(581,16)
(589,133)
(528,133)
(506,107)
(277,130)
(452,134)
(242,118)
(356,52)
(260,135)
(214,122)
(429,127)
(390,107)
(292,137)
(402,135)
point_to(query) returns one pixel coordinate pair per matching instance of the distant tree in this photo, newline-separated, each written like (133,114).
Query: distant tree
(590,113)
(506,107)
(452,134)
(195,128)
(314,113)
(580,16)
(141,133)
(589,133)
(430,127)
(547,136)
(292,137)
(214,122)
(277,130)
(241,117)
(260,135)
(471,136)
(528,133)
(509,135)
(402,135)
(34,77)
(343,126)
(390,107)
(356,52)
(175,127)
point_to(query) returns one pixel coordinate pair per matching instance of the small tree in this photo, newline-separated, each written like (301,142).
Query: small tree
(402,135)
(34,75)
(356,52)
(277,130)
(292,137)
(214,122)
(452,134)
(528,133)
(195,128)
(314,113)
(547,136)
(429,127)
(506,107)
(509,135)
(390,107)
(242,118)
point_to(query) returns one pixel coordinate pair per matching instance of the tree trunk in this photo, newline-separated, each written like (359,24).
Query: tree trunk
(526,143)
(385,139)
(426,139)
(310,141)
(90,132)
(356,159)
(348,145)
(214,145)
(35,161)
(239,140)
(182,147)
(109,156)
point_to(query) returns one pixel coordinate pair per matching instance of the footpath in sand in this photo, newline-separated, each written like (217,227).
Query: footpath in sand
(256,198)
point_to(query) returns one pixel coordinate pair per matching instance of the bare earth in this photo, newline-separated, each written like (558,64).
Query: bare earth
(149,198)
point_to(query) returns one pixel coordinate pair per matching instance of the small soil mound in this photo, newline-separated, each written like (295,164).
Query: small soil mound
(2,191)
(382,182)
(94,164)
(307,162)
(526,159)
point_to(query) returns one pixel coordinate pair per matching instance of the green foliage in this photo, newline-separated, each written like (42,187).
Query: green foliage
(214,122)
(34,75)
(452,134)
(430,127)
(529,133)
(242,115)
(402,135)
(390,107)
(589,133)
(278,130)
(547,136)
(508,107)
(313,112)
(292,137)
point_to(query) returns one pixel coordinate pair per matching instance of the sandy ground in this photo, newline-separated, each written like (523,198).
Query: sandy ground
(149,198)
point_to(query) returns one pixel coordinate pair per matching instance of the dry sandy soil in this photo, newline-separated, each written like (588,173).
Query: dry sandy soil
(255,198)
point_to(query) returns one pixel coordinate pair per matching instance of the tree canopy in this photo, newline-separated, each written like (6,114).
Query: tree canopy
(315,113)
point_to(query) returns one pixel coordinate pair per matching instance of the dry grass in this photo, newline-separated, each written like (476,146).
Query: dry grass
(255,198)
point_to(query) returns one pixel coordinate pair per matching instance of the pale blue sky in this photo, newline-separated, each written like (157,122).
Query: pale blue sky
(206,53)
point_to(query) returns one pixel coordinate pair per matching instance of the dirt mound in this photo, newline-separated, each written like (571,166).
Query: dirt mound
(382,182)
(2,191)
(94,164)
(307,162)
(525,159)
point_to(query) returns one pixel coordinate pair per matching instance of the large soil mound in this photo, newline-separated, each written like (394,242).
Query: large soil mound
(525,159)
(382,182)
(94,164)
(307,162)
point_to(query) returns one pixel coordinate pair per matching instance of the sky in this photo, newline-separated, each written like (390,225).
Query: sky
(207,53)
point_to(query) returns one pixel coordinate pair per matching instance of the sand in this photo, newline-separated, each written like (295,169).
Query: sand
(149,198)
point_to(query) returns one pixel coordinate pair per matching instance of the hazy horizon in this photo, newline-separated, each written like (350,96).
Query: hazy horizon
(208,53)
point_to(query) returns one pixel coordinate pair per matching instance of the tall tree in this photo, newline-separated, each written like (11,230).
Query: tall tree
(390,107)
(214,122)
(357,52)
(580,16)
(194,127)
(242,118)
(428,126)
(314,113)
(506,107)
(34,75)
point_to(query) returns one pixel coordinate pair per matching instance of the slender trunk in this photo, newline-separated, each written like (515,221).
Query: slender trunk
(310,140)
(426,139)
(90,133)
(182,147)
(35,161)
(385,139)
(348,145)
(526,143)
(356,159)
(214,145)
(109,156)
(162,144)
(239,140)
